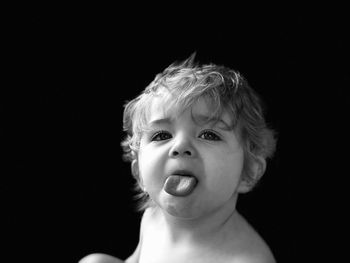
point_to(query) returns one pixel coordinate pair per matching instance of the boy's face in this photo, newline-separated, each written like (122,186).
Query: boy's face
(190,168)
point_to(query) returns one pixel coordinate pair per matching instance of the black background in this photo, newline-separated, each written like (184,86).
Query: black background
(66,191)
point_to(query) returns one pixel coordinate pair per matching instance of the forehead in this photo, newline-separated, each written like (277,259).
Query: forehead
(202,110)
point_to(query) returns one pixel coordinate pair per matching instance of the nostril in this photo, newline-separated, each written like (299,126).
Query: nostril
(177,153)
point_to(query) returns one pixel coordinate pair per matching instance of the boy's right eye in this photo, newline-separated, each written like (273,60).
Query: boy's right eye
(161,136)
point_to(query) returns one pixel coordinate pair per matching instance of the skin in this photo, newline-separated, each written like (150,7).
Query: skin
(209,151)
(100,258)
(203,226)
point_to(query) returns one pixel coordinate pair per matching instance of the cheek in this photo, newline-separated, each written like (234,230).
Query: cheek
(151,166)
(224,173)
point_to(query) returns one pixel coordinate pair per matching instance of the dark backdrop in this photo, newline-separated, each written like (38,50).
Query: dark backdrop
(67,192)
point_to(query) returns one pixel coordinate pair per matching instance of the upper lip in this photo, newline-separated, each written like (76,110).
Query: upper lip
(183,172)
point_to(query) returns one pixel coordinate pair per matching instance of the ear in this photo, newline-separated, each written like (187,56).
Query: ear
(257,168)
(136,172)
(135,168)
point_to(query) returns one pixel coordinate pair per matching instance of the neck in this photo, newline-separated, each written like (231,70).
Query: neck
(204,228)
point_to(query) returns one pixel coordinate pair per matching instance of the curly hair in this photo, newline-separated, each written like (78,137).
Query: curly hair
(183,84)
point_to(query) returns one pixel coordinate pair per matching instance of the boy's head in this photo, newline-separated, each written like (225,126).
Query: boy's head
(182,85)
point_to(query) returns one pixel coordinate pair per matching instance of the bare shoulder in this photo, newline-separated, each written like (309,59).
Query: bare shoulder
(100,258)
(251,247)
(254,258)
(146,218)
(257,251)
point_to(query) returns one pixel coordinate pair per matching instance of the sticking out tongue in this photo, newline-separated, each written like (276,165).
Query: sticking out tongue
(179,185)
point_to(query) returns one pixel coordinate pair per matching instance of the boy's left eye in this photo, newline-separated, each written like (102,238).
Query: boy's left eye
(209,135)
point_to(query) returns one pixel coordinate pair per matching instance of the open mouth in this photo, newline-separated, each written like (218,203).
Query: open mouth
(180,183)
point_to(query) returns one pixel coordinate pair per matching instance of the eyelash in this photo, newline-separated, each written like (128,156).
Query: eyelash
(162,132)
(154,136)
(216,136)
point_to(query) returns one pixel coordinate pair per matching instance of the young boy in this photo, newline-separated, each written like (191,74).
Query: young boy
(196,139)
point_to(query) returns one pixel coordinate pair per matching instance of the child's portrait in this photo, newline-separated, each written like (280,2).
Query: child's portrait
(196,138)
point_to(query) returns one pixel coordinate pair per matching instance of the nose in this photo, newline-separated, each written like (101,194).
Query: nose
(182,147)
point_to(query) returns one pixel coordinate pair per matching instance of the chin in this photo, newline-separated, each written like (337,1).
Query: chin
(181,207)
(180,212)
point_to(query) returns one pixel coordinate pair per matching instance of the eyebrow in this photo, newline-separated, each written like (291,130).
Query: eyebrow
(208,119)
(201,118)
(161,121)
(213,121)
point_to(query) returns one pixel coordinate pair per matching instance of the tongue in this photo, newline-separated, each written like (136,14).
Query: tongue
(179,185)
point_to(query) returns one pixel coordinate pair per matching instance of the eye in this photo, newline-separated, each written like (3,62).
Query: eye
(210,135)
(161,136)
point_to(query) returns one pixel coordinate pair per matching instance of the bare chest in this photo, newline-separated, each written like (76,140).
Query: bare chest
(157,250)
(174,256)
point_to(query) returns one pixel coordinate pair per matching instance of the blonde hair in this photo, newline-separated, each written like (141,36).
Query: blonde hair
(224,88)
